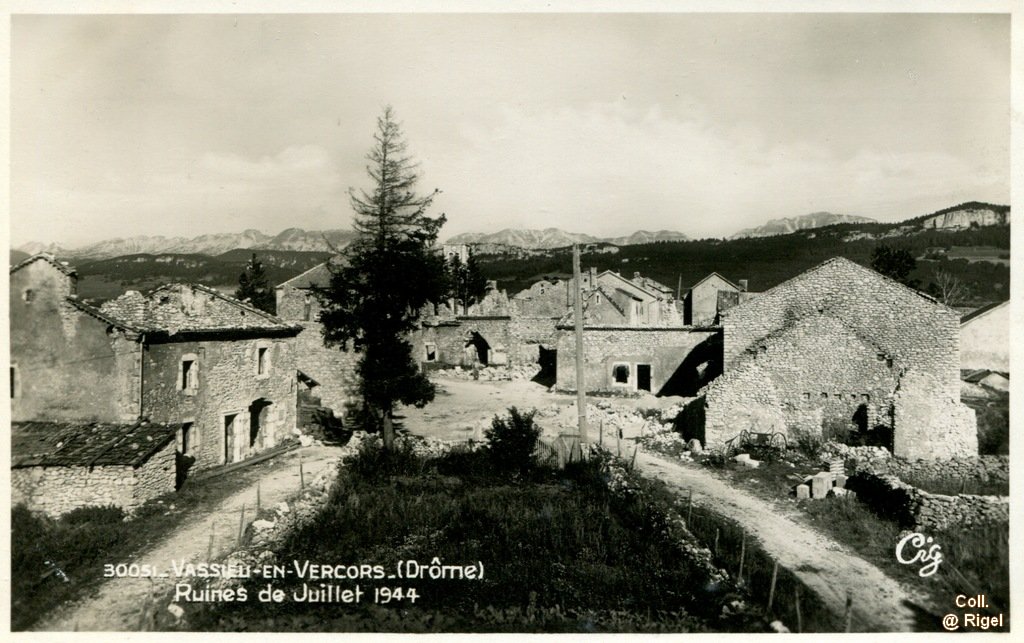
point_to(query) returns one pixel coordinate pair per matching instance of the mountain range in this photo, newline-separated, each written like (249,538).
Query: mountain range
(793,224)
(298,240)
(556,238)
(294,239)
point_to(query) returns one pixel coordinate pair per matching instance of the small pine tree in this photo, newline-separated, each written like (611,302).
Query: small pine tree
(254,287)
(388,274)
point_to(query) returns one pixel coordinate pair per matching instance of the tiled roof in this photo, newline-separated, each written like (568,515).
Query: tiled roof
(189,308)
(98,314)
(846,264)
(57,444)
(63,267)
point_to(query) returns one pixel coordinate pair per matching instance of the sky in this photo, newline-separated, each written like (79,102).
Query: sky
(181,125)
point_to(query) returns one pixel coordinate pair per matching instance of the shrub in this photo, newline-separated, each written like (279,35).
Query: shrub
(511,441)
(808,443)
(374,462)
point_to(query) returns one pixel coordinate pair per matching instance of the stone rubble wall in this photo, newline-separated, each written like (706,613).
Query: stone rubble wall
(157,475)
(929,425)
(981,468)
(785,385)
(913,508)
(58,490)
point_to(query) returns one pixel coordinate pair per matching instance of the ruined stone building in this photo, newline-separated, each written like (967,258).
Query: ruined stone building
(328,374)
(840,352)
(635,340)
(215,374)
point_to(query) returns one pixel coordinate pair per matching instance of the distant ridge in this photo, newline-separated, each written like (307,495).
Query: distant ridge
(793,224)
(556,238)
(294,239)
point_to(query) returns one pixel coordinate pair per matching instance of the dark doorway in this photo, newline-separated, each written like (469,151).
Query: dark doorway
(700,366)
(643,377)
(547,358)
(229,438)
(480,346)
(258,412)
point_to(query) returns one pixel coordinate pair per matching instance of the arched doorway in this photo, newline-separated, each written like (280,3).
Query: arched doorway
(479,348)
(259,411)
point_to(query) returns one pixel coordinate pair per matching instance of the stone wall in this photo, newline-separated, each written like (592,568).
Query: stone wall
(916,509)
(333,368)
(785,384)
(157,475)
(908,327)
(58,490)
(227,385)
(972,469)
(928,425)
(840,348)
(68,365)
(666,350)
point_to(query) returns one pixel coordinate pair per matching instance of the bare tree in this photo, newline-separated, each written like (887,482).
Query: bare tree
(947,287)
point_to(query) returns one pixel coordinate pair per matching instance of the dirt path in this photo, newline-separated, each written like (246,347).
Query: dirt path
(826,566)
(821,563)
(118,605)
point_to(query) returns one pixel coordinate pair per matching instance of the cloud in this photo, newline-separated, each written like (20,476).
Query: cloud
(216,192)
(608,168)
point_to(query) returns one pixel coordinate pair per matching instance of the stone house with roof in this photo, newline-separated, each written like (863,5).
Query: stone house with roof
(705,299)
(217,371)
(222,370)
(843,352)
(60,466)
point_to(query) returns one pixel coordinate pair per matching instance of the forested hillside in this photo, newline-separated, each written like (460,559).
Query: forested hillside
(767,261)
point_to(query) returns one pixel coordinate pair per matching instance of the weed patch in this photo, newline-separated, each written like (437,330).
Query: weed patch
(562,553)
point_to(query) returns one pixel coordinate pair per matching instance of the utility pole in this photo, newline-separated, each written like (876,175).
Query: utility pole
(581,391)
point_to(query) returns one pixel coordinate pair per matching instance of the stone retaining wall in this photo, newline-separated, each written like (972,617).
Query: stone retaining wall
(912,508)
(982,468)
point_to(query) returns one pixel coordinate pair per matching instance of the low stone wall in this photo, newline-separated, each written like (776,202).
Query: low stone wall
(58,490)
(972,469)
(912,508)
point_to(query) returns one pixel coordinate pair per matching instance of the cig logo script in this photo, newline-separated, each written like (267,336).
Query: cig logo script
(916,548)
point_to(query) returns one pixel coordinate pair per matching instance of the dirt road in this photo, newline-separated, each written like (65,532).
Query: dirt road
(827,567)
(119,603)
(824,565)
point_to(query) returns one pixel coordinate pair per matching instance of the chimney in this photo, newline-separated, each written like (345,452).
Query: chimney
(592,277)
(743,285)
(636,275)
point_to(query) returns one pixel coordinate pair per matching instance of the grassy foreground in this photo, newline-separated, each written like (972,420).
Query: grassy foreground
(561,552)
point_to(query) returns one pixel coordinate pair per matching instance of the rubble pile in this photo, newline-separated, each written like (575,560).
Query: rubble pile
(490,373)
